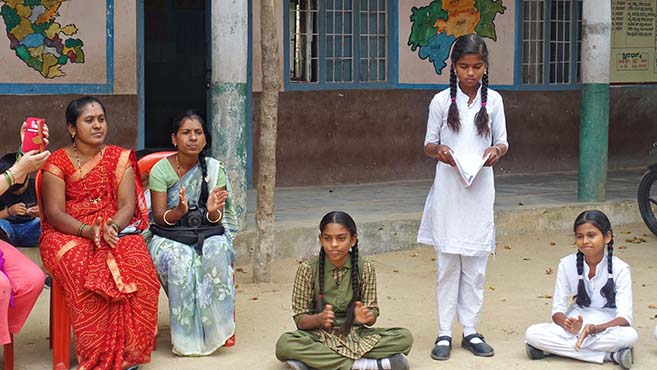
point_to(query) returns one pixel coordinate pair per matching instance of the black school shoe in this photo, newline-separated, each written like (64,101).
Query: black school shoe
(442,352)
(478,349)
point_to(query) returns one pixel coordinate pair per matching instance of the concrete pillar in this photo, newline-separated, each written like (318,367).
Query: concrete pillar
(594,119)
(228,92)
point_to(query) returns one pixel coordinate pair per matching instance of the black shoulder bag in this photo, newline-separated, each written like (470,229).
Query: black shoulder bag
(193,227)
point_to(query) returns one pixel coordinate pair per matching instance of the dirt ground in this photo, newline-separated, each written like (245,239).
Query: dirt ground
(519,286)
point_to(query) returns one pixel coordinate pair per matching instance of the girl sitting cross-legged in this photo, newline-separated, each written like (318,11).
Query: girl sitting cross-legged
(596,326)
(335,306)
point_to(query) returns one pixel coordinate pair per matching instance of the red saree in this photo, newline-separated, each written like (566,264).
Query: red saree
(111,293)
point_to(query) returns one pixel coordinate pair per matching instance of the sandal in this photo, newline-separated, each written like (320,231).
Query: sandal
(482,349)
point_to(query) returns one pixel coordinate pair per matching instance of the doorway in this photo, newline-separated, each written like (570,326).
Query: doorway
(175,64)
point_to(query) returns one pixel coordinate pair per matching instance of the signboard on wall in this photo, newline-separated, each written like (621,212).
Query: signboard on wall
(56,46)
(633,41)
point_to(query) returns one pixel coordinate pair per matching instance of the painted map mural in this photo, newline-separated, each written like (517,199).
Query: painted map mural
(436,26)
(43,44)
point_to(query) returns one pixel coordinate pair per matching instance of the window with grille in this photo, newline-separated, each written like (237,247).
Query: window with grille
(338,41)
(551,41)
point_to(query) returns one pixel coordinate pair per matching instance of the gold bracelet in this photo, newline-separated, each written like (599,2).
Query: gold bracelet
(207,215)
(164,218)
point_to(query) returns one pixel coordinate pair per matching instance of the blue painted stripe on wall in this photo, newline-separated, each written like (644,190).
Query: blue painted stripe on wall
(77,88)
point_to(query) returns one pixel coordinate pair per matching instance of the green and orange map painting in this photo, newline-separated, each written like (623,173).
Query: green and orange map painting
(37,39)
(436,26)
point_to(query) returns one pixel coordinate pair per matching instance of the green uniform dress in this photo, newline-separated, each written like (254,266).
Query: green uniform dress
(329,349)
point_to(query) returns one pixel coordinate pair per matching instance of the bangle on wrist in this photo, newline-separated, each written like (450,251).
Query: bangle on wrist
(81,229)
(164,218)
(207,216)
(116,227)
(499,151)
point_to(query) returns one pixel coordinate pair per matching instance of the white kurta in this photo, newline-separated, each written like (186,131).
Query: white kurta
(552,338)
(459,219)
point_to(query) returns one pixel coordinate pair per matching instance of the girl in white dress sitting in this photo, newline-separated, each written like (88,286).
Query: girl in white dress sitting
(596,326)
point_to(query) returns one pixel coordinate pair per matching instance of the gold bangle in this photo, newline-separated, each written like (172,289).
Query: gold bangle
(207,215)
(116,227)
(164,218)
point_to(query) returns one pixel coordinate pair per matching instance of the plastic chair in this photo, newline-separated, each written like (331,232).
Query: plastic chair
(145,164)
(8,353)
(60,322)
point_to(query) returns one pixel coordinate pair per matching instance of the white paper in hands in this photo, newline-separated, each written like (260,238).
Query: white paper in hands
(468,166)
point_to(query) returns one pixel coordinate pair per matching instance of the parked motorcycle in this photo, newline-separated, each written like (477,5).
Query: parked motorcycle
(647,196)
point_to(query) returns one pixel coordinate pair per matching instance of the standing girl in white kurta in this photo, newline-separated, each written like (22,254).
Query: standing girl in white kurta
(596,327)
(465,120)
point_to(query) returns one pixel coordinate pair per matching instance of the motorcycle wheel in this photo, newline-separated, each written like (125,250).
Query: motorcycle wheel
(647,196)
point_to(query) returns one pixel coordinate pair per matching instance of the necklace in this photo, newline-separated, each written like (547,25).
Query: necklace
(84,178)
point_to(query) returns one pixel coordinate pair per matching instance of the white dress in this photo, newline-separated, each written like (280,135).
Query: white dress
(554,339)
(459,219)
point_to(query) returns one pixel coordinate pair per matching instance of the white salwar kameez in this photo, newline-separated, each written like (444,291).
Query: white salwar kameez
(458,220)
(554,339)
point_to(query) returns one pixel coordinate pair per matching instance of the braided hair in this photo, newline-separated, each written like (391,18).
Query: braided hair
(341,218)
(600,221)
(468,44)
(176,123)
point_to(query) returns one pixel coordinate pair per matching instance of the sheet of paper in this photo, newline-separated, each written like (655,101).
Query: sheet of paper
(469,166)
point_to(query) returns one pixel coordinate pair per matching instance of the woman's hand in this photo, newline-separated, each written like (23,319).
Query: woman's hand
(94,233)
(326,318)
(182,207)
(444,154)
(110,233)
(29,162)
(589,329)
(573,325)
(216,199)
(494,154)
(362,314)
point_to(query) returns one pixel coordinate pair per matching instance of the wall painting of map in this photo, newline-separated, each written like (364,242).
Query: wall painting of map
(433,26)
(53,41)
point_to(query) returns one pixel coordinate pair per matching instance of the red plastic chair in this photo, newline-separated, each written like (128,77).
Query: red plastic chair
(60,322)
(145,164)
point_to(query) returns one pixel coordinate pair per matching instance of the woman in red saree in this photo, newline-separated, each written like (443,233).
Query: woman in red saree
(90,194)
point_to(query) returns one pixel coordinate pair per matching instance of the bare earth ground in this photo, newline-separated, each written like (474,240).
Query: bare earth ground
(518,294)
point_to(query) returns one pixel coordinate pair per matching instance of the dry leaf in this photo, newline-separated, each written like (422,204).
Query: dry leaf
(553,244)
(395,270)
(507,247)
(526,258)
(490,287)
(548,270)
(253,299)
(433,259)
(239,269)
(622,247)
(548,296)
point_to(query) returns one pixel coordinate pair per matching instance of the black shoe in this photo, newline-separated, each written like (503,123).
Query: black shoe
(533,352)
(478,349)
(48,282)
(442,352)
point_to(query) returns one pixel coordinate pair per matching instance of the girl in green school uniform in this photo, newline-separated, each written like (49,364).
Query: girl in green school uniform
(335,313)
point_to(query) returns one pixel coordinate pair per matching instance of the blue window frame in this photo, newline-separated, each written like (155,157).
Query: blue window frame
(337,44)
(550,42)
